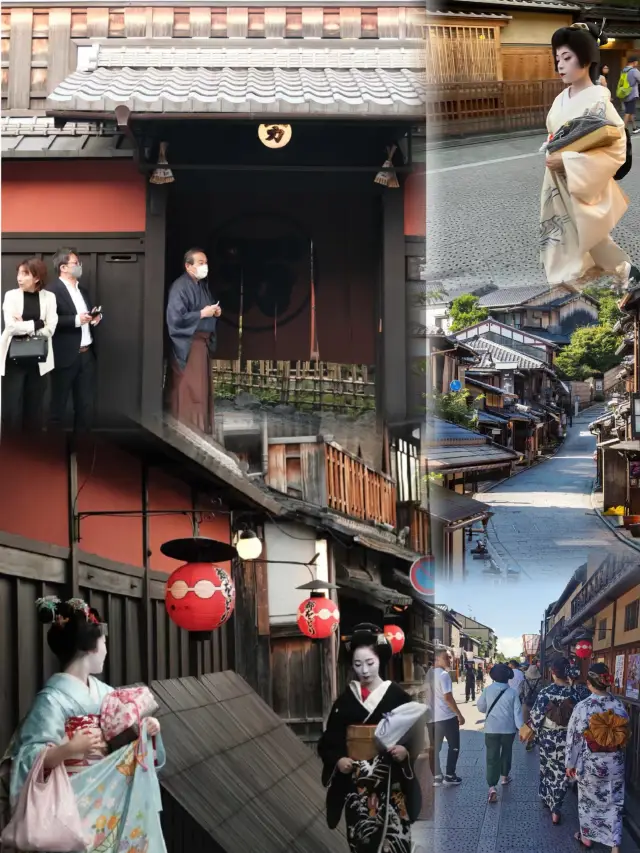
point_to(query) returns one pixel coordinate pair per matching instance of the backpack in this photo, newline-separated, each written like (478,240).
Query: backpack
(530,691)
(626,166)
(624,87)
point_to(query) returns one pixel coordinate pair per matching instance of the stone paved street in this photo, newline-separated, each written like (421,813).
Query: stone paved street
(543,522)
(461,821)
(483,208)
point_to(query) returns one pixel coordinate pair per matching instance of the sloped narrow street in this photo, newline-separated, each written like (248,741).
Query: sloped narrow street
(460,820)
(543,523)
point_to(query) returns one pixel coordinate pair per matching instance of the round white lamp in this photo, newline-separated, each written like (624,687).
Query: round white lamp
(248,546)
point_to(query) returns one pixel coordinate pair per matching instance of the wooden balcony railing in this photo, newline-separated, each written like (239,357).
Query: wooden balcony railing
(556,631)
(322,473)
(417,520)
(489,107)
(357,490)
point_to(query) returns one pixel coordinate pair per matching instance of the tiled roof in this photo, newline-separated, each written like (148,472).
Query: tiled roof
(440,431)
(485,15)
(303,80)
(507,296)
(502,353)
(527,4)
(36,136)
(454,458)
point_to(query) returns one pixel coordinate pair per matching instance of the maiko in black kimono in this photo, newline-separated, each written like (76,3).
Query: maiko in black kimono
(381,798)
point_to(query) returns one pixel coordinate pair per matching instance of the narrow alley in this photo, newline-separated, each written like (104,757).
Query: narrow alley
(543,522)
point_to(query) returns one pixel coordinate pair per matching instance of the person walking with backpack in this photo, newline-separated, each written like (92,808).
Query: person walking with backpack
(628,91)
(503,718)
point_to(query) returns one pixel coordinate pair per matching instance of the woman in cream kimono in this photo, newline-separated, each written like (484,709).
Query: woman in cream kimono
(118,794)
(581,202)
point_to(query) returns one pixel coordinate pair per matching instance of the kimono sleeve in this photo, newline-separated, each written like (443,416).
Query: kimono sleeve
(578,724)
(43,725)
(182,321)
(589,173)
(332,745)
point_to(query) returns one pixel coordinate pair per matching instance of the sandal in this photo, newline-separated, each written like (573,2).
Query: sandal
(507,780)
(581,842)
(493,795)
(556,818)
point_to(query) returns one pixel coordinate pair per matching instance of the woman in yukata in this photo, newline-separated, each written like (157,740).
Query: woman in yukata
(549,719)
(118,794)
(581,202)
(381,798)
(596,739)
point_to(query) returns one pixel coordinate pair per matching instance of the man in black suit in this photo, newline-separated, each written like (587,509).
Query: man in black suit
(74,370)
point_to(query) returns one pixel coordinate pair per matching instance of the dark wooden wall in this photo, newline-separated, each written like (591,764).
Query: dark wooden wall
(29,570)
(113,273)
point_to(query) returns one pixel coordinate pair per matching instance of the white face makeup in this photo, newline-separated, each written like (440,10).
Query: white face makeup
(95,660)
(569,67)
(366,665)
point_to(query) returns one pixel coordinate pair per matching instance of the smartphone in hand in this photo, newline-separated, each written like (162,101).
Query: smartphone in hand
(95,312)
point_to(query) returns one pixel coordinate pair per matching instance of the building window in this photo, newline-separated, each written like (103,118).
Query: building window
(631,613)
(439,322)
(406,470)
(602,629)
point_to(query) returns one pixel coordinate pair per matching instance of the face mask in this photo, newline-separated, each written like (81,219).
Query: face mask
(202,272)
(75,270)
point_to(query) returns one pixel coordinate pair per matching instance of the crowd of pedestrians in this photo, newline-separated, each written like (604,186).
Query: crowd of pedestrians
(578,727)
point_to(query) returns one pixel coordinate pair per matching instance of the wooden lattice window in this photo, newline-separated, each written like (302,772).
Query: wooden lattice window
(631,613)
(462,54)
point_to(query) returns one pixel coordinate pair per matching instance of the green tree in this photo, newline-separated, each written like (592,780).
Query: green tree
(453,407)
(465,311)
(608,311)
(499,658)
(592,350)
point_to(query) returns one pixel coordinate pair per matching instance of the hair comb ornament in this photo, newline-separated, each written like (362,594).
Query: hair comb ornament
(49,602)
(604,21)
(579,26)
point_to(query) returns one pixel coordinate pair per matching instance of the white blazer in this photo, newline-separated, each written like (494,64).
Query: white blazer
(13,306)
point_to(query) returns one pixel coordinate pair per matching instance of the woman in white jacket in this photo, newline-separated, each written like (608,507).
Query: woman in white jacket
(28,310)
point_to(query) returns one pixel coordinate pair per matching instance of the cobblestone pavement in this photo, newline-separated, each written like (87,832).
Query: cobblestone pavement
(543,523)
(461,821)
(483,207)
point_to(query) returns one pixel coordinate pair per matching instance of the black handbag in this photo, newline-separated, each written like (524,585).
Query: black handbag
(28,349)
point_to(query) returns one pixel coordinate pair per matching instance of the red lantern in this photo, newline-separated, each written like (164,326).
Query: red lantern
(318,617)
(395,636)
(200,597)
(584,648)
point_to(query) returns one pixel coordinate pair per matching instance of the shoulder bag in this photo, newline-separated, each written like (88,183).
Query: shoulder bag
(492,706)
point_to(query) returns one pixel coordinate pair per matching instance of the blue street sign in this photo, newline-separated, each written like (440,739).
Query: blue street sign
(455,385)
(421,575)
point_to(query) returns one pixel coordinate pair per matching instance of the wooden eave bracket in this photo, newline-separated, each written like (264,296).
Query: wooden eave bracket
(123,124)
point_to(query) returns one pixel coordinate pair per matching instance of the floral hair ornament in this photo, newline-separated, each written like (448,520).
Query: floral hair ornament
(49,603)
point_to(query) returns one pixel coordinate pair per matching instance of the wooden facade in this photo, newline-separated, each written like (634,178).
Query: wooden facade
(324,474)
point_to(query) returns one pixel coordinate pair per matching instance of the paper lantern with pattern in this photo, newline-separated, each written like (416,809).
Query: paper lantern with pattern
(584,648)
(318,617)
(395,635)
(200,597)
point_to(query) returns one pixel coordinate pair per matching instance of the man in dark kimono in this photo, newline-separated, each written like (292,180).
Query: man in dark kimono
(470,683)
(192,317)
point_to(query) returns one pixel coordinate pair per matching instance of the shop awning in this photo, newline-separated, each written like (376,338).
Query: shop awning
(450,507)
(449,458)
(305,80)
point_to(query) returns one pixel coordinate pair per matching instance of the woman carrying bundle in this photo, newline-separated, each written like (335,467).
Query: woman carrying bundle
(380,795)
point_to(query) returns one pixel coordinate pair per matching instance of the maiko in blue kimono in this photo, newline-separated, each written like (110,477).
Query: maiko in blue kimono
(118,793)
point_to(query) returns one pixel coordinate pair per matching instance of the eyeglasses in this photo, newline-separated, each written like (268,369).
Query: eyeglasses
(203,589)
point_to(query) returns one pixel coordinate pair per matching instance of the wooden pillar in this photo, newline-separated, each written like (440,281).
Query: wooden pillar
(395,340)
(153,322)
(72,479)
(264,677)
(62,59)
(19,88)
(147,616)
